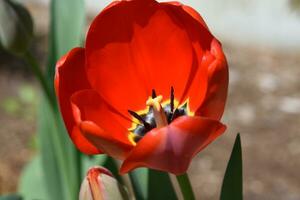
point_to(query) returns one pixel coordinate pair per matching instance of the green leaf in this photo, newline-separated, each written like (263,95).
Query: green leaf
(160,186)
(50,157)
(152,184)
(16,27)
(185,186)
(32,183)
(139,181)
(232,188)
(62,162)
(66,29)
(11,197)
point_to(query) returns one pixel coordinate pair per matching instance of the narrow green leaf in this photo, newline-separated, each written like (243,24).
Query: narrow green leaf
(232,188)
(66,29)
(151,184)
(160,186)
(139,181)
(185,186)
(62,162)
(49,153)
(72,159)
(11,197)
(16,27)
(32,183)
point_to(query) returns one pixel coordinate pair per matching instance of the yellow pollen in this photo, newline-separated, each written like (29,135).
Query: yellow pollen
(158,111)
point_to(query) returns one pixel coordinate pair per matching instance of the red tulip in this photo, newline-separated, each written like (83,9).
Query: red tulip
(149,87)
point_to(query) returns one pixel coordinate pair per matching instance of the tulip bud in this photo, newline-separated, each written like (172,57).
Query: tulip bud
(99,184)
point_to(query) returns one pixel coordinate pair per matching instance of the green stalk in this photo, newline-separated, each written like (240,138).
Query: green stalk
(185,187)
(78,162)
(34,66)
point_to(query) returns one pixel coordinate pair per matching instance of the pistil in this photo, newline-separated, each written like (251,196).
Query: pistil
(158,111)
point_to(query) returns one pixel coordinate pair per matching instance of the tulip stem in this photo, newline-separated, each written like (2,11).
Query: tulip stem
(41,78)
(185,187)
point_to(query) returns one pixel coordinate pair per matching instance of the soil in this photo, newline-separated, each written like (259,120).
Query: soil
(17,127)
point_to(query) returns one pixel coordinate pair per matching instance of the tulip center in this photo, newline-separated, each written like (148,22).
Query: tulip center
(157,115)
(158,112)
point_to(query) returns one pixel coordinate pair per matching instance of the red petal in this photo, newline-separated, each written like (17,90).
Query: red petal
(101,124)
(201,39)
(190,11)
(70,77)
(172,148)
(214,103)
(208,88)
(215,62)
(134,47)
(109,145)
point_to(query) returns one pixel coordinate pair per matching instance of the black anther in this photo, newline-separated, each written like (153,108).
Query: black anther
(172,99)
(153,94)
(138,117)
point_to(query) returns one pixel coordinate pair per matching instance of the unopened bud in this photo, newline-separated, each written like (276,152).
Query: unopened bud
(99,184)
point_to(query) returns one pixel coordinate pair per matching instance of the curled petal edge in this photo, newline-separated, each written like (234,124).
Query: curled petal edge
(69,78)
(114,145)
(172,148)
(218,77)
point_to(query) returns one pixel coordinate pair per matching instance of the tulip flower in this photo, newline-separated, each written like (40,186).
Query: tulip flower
(149,87)
(99,184)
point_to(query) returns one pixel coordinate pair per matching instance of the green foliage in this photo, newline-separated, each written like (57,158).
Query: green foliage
(139,181)
(53,154)
(232,188)
(151,184)
(66,30)
(16,27)
(32,183)
(112,165)
(34,180)
(185,186)
(160,186)
(11,197)
(61,161)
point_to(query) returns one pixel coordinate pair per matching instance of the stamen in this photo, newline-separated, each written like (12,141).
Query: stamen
(158,111)
(172,99)
(153,94)
(138,117)
(175,114)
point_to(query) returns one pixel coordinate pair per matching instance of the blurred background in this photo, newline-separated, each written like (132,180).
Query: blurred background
(261,39)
